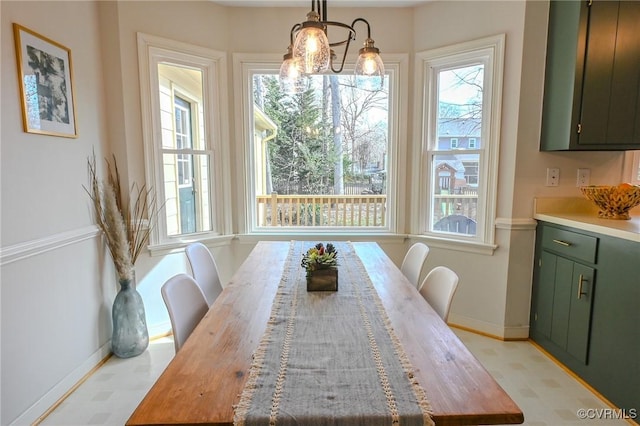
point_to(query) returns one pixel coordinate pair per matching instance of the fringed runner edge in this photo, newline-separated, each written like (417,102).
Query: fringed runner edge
(241,410)
(418,390)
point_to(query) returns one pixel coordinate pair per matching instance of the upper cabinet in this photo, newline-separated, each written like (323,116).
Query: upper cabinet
(592,79)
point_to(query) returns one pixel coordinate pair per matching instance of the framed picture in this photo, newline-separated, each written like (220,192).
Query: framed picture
(46,86)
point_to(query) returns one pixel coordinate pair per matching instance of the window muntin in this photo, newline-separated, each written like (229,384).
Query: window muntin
(462,100)
(633,175)
(182,87)
(183,141)
(185,170)
(454,204)
(355,199)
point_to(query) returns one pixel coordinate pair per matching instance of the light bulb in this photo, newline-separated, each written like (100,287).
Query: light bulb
(369,62)
(312,46)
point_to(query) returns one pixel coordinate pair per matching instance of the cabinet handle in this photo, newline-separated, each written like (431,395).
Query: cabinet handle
(562,243)
(581,279)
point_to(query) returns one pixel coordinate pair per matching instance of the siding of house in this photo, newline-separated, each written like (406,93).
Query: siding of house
(57,280)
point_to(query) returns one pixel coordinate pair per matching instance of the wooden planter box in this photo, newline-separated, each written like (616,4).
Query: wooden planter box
(322,280)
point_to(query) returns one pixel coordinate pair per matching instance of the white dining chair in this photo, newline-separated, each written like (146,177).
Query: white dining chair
(413,261)
(205,271)
(186,305)
(438,288)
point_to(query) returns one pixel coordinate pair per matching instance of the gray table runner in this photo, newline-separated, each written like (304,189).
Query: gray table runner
(330,358)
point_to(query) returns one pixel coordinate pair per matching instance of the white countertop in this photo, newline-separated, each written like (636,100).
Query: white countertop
(580,213)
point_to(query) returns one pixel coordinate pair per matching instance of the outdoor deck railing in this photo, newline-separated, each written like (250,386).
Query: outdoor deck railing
(347,210)
(321,210)
(458,204)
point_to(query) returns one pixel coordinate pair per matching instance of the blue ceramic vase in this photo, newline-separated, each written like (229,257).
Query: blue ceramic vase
(130,334)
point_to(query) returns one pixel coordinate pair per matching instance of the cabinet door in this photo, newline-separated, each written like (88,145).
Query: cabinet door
(561,302)
(545,285)
(582,288)
(563,78)
(565,295)
(610,111)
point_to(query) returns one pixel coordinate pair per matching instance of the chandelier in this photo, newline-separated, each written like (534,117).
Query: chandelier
(311,52)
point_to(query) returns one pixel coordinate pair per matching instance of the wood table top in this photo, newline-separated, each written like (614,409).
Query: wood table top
(203,383)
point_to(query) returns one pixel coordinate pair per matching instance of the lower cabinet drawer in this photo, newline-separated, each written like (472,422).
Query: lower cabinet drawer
(571,244)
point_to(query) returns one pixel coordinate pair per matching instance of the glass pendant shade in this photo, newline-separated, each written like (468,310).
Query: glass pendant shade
(312,46)
(310,51)
(291,75)
(291,68)
(369,62)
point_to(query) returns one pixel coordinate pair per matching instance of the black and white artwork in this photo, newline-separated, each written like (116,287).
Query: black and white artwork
(44,68)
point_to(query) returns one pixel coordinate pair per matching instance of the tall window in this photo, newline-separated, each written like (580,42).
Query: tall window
(462,100)
(181,92)
(634,175)
(319,156)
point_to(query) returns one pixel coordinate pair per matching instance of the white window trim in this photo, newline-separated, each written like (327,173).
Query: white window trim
(243,66)
(631,166)
(492,46)
(151,50)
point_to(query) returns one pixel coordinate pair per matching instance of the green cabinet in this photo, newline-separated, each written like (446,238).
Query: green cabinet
(585,308)
(592,77)
(564,291)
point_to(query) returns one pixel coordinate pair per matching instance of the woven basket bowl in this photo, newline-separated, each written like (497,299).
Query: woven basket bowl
(614,201)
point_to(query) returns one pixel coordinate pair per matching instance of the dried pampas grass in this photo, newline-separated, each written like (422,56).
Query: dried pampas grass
(120,216)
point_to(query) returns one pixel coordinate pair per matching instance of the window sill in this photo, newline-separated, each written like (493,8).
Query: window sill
(178,246)
(457,245)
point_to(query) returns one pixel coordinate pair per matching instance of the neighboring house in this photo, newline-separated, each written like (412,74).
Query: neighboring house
(458,174)
(264,130)
(459,134)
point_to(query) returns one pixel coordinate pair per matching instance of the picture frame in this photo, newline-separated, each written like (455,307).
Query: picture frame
(45,77)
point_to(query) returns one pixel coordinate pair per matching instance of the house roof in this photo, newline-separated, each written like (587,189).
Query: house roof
(468,127)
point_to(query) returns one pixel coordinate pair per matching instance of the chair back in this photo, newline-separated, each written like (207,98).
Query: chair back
(456,223)
(413,261)
(438,289)
(204,270)
(186,305)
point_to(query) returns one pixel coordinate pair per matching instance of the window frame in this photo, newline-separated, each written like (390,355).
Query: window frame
(490,50)
(245,66)
(631,169)
(153,50)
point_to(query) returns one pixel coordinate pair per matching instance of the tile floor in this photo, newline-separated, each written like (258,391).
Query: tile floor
(545,392)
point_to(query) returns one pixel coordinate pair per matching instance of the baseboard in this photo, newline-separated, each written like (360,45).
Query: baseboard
(488,329)
(160,330)
(41,408)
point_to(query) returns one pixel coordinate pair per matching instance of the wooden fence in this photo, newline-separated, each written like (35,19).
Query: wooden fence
(348,210)
(321,210)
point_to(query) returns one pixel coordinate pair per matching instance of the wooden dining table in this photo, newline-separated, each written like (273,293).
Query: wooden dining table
(204,381)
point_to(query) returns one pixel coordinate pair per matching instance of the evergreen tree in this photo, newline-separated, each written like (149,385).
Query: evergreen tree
(301,153)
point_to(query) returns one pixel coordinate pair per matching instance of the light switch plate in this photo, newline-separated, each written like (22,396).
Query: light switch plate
(583,177)
(553,176)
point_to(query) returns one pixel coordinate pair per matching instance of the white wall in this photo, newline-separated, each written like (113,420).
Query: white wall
(55,298)
(57,282)
(494,291)
(480,301)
